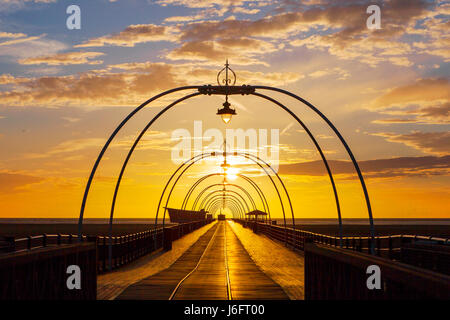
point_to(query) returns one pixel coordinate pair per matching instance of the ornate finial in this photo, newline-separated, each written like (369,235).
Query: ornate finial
(227,81)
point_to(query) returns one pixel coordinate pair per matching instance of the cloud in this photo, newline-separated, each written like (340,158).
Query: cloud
(68,58)
(427,142)
(133,35)
(38,46)
(423,90)
(242,51)
(9,79)
(379,168)
(202,3)
(347,37)
(12,182)
(21,40)
(123,84)
(68,146)
(339,72)
(339,28)
(12,35)
(427,100)
(13,5)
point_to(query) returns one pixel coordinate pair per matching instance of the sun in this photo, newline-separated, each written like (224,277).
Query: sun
(232,173)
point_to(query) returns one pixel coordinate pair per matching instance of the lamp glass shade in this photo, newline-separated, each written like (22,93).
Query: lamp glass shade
(226,117)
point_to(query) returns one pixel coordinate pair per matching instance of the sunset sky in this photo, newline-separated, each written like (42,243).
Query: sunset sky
(62,93)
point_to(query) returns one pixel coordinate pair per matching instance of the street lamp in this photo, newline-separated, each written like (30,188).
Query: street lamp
(226,112)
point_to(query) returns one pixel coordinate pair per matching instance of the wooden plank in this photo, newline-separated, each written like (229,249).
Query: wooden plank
(209,280)
(161,285)
(247,281)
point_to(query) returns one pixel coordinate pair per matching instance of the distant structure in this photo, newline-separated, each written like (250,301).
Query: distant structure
(184,216)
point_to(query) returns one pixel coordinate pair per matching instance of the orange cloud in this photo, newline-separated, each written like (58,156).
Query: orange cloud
(427,142)
(431,95)
(11,182)
(241,51)
(12,35)
(378,168)
(68,58)
(134,83)
(132,35)
(422,91)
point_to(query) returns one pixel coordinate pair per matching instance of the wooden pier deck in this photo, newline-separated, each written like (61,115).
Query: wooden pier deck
(216,267)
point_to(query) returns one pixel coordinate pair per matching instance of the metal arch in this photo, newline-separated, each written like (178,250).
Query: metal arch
(130,152)
(347,148)
(216,204)
(205,201)
(233,209)
(209,90)
(194,160)
(220,198)
(230,196)
(218,201)
(278,193)
(228,184)
(214,154)
(254,185)
(230,206)
(322,155)
(125,163)
(135,144)
(110,139)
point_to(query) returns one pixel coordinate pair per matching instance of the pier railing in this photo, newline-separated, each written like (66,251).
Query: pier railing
(30,274)
(335,273)
(407,248)
(125,249)
(128,248)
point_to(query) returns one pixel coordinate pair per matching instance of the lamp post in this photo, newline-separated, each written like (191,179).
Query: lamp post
(226,112)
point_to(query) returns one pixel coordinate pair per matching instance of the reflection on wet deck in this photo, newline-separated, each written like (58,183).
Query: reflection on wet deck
(216,267)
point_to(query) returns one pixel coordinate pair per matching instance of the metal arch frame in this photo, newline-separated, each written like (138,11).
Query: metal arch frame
(210,90)
(113,135)
(322,155)
(206,200)
(214,195)
(205,155)
(248,156)
(233,209)
(347,148)
(218,201)
(229,201)
(229,206)
(235,200)
(240,175)
(252,183)
(228,184)
(227,196)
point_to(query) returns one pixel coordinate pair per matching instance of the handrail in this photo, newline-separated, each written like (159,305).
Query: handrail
(126,248)
(296,238)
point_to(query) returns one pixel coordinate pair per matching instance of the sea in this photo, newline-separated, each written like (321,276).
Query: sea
(323,221)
